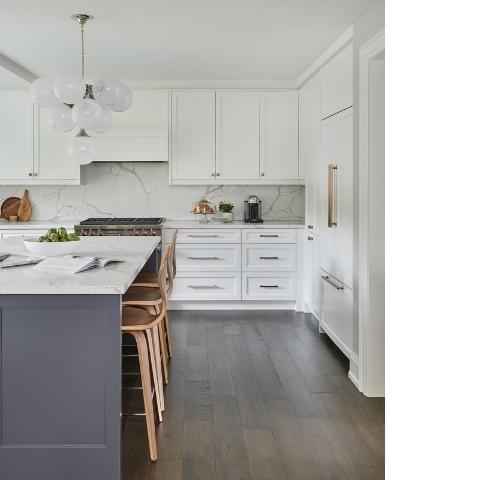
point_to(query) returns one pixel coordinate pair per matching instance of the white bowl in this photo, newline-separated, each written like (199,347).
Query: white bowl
(50,249)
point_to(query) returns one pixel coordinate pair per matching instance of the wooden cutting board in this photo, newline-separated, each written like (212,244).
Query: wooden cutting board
(10,207)
(25,209)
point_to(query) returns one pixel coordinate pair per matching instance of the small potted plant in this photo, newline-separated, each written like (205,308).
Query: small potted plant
(227,210)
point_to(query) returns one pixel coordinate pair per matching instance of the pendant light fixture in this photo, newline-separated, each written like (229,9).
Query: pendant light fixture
(75,103)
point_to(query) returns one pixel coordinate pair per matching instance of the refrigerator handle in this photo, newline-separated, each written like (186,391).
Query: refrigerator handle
(332,192)
(332,283)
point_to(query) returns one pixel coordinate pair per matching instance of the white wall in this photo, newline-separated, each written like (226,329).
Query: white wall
(141,189)
(363,29)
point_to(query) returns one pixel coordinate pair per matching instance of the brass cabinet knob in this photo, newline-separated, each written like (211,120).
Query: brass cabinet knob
(262,174)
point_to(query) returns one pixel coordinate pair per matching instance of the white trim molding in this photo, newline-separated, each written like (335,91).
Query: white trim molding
(368,51)
(332,50)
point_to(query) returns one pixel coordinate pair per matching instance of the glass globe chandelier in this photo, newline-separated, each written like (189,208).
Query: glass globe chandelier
(75,103)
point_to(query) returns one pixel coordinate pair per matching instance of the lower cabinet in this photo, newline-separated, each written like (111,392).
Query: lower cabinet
(336,314)
(244,267)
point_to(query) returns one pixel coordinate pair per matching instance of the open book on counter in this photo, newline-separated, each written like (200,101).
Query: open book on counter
(72,264)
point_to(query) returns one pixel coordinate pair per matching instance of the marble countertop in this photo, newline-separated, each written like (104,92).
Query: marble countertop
(112,279)
(235,224)
(35,224)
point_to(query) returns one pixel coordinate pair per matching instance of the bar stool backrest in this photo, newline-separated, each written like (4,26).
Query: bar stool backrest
(163,278)
(172,263)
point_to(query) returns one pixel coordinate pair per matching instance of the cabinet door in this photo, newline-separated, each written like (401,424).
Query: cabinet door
(16,136)
(52,161)
(337,240)
(237,135)
(312,284)
(337,84)
(141,132)
(193,135)
(279,135)
(309,143)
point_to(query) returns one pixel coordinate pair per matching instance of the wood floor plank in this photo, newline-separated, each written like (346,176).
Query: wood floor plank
(219,375)
(197,364)
(170,431)
(198,460)
(164,470)
(230,452)
(263,457)
(198,401)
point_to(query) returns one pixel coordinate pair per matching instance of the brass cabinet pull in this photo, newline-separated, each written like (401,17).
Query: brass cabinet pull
(199,287)
(202,236)
(269,286)
(203,258)
(269,236)
(268,258)
(332,283)
(332,204)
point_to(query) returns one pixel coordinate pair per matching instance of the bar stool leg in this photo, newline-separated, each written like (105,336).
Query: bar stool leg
(158,385)
(147,391)
(163,349)
(158,361)
(167,331)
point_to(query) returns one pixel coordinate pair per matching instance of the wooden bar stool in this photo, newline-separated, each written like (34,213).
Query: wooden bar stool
(139,323)
(154,300)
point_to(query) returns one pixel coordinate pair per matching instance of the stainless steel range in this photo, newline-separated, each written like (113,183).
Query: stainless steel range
(93,227)
(120,226)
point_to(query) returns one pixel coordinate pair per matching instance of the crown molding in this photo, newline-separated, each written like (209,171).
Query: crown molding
(341,41)
(17,69)
(211,84)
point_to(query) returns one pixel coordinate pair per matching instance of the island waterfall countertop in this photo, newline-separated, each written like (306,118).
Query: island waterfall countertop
(115,278)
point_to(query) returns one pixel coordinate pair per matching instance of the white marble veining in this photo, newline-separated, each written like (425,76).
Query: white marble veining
(235,224)
(142,190)
(112,279)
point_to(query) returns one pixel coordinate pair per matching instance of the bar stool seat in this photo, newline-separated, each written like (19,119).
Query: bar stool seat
(142,296)
(146,279)
(135,316)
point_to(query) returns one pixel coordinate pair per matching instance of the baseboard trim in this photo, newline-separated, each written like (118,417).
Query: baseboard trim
(354,379)
(230,305)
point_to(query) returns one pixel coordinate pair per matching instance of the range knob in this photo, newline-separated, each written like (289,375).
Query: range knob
(99,233)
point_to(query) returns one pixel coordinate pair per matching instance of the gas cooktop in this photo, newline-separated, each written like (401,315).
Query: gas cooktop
(126,221)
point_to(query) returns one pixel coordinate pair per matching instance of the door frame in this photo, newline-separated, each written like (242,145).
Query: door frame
(368,51)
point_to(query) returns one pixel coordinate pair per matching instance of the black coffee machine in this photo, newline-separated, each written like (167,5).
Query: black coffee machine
(253,210)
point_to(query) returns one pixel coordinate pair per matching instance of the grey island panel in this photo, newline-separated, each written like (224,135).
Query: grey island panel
(60,387)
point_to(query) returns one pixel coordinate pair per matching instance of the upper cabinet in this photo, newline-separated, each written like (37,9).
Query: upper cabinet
(337,83)
(193,136)
(279,135)
(16,136)
(30,152)
(139,133)
(237,137)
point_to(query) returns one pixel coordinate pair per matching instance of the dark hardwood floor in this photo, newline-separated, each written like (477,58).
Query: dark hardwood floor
(255,395)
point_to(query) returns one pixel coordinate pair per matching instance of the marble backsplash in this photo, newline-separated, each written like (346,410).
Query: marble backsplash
(142,190)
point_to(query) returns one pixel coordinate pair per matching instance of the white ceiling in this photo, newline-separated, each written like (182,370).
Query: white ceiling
(171,40)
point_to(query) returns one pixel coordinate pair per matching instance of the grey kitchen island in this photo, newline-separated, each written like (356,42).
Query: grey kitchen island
(60,364)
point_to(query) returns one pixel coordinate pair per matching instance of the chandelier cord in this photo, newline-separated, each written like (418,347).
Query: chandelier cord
(83,51)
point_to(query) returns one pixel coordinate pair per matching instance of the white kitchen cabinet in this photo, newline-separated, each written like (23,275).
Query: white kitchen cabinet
(213,286)
(336,317)
(312,273)
(337,83)
(337,154)
(16,137)
(237,135)
(268,286)
(193,135)
(51,161)
(309,146)
(31,153)
(208,257)
(279,135)
(139,133)
(269,257)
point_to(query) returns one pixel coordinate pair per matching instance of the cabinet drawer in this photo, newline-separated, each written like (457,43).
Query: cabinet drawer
(269,257)
(205,258)
(268,286)
(269,236)
(207,286)
(203,235)
(337,312)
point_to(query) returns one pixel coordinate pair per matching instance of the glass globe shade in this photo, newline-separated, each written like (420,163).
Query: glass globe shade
(106,89)
(87,114)
(105,121)
(60,118)
(83,149)
(122,100)
(69,88)
(41,93)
